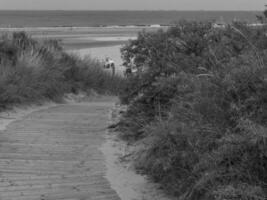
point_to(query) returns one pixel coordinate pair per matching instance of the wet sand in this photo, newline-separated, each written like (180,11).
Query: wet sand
(83,37)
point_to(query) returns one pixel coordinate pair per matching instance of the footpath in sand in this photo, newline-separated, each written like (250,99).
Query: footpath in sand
(55,153)
(65,151)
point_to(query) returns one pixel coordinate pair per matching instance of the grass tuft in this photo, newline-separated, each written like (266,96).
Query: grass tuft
(32,71)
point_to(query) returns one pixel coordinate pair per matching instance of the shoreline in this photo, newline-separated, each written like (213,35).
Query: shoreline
(82,37)
(151,26)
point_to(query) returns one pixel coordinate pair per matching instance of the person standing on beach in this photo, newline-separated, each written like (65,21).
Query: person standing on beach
(110,64)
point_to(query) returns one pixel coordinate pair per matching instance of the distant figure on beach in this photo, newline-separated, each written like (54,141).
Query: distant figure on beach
(109,63)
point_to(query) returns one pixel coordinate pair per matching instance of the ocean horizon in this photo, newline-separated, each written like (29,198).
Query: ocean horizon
(80,18)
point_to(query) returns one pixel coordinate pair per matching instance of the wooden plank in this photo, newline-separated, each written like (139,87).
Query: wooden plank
(54,154)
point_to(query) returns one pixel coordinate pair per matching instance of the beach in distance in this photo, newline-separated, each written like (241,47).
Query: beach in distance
(95,42)
(101,34)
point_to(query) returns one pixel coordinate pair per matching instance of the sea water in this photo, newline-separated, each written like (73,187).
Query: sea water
(114,18)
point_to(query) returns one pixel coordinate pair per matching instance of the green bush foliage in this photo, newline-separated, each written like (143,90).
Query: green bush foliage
(32,71)
(199,104)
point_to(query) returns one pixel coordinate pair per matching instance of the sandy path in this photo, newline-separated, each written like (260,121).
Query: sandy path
(55,153)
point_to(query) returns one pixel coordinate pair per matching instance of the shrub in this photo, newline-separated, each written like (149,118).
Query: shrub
(198,103)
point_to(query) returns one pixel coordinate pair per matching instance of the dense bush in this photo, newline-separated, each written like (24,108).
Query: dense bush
(199,104)
(33,71)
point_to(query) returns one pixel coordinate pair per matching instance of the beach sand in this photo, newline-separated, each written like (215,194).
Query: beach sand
(96,42)
(99,47)
(100,53)
(120,171)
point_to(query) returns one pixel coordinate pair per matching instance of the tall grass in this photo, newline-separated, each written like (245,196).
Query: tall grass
(32,71)
(198,104)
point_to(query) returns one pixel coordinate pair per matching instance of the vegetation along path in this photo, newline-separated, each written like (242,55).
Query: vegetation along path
(54,154)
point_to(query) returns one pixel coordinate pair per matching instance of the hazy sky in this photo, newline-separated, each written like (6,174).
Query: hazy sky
(133,4)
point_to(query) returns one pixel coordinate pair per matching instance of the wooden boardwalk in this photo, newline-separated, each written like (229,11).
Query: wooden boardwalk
(54,154)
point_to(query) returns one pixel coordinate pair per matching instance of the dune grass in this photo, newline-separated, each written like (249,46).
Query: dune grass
(198,107)
(32,71)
